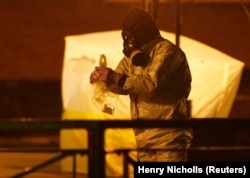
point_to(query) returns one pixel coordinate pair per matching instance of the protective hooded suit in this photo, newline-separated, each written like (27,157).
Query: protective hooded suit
(156,76)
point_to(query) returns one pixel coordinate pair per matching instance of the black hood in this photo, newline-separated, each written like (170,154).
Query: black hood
(140,25)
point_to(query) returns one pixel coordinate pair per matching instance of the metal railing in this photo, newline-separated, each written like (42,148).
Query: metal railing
(96,138)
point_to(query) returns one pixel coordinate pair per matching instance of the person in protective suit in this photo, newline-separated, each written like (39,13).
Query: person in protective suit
(155,74)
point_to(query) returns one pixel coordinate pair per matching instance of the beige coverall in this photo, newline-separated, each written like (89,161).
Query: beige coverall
(159,91)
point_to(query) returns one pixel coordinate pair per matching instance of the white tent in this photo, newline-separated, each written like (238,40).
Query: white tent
(216,77)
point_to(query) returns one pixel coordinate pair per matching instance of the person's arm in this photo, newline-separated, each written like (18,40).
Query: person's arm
(168,73)
(156,75)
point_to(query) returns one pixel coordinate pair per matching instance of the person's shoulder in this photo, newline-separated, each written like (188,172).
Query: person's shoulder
(170,46)
(166,43)
(166,46)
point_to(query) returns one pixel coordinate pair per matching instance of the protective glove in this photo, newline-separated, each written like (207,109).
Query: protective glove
(94,77)
(108,76)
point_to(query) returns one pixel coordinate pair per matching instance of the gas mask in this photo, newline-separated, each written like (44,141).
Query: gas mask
(132,51)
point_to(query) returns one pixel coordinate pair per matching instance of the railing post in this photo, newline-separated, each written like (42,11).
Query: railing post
(125,164)
(74,166)
(96,156)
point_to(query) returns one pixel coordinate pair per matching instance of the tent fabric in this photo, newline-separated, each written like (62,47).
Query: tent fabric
(216,77)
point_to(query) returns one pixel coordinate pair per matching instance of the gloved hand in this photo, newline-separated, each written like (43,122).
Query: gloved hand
(108,76)
(94,77)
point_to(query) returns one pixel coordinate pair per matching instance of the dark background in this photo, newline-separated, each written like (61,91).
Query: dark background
(32,45)
(32,49)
